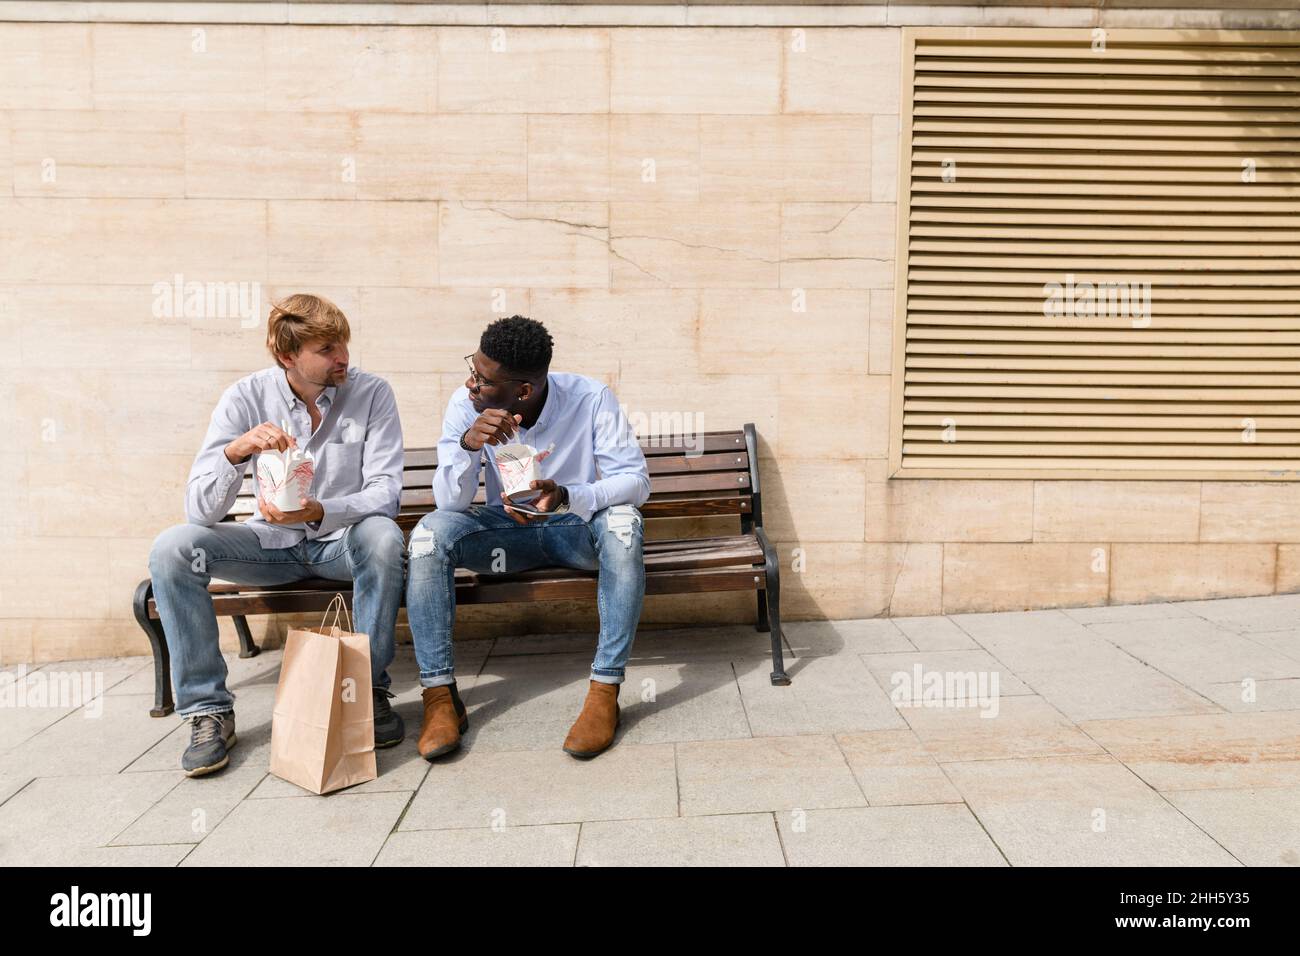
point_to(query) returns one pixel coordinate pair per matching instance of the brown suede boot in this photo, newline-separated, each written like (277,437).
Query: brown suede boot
(593,731)
(444,721)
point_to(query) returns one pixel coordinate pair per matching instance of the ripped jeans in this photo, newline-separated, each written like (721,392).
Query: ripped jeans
(486,540)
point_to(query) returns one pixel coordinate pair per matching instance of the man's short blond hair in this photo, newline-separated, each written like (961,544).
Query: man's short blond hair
(302,318)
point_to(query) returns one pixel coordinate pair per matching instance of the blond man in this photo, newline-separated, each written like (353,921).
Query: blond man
(347,420)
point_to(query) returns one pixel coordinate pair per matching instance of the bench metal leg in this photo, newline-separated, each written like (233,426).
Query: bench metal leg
(246,646)
(162,676)
(769,601)
(764,623)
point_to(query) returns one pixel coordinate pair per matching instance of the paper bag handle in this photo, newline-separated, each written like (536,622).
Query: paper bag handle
(337,605)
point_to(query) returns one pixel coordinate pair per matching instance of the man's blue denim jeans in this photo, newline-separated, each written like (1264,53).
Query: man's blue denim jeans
(487,540)
(186,557)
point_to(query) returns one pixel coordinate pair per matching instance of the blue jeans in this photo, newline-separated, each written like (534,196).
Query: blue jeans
(487,540)
(186,557)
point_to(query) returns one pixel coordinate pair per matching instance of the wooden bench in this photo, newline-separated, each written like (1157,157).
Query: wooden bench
(721,478)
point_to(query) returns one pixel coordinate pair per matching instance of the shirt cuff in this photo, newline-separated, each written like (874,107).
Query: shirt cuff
(335,516)
(582,500)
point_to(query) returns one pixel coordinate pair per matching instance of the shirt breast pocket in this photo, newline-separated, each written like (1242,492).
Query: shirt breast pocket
(340,465)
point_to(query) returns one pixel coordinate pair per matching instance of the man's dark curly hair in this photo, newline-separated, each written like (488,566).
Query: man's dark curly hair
(521,345)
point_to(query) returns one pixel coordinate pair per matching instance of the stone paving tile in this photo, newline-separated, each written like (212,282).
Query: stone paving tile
(253,706)
(11,783)
(875,635)
(1077,670)
(191,809)
(1022,727)
(342,829)
(884,667)
(1284,642)
(1125,612)
(1259,827)
(530,703)
(66,820)
(741,839)
(1080,811)
(1198,653)
(47,693)
(1123,687)
(827,695)
(934,633)
(893,768)
(1232,751)
(1263,695)
(766,774)
(1275,612)
(471,790)
(547,845)
(944,835)
(83,744)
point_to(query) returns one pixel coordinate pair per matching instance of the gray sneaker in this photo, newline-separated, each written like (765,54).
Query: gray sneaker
(211,737)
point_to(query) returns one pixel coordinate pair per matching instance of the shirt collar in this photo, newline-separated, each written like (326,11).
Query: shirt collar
(282,380)
(547,409)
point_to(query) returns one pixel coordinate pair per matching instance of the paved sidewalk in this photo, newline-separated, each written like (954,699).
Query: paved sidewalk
(1162,734)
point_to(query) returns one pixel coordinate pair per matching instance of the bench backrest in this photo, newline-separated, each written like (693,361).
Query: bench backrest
(717,475)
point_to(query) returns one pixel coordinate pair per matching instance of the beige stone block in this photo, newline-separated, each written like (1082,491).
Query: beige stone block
(362,243)
(1288,569)
(296,155)
(702,70)
(1015,577)
(694,245)
(85,153)
(702,403)
(57,577)
(239,346)
(656,330)
(884,158)
(1250,511)
(545,245)
(45,66)
(837,245)
(50,322)
(129,241)
(73,494)
(919,509)
(568,158)
(139,66)
(344,68)
(104,412)
(1142,573)
(786,158)
(654,158)
(1115,510)
(848,580)
(843,70)
(429,331)
(507,70)
(880,356)
(63,640)
(841,416)
(421,400)
(406,156)
(16,640)
(813,332)
(809,499)
(6,157)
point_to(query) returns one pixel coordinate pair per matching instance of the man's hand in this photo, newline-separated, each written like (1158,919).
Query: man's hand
(311,510)
(493,427)
(263,437)
(552,497)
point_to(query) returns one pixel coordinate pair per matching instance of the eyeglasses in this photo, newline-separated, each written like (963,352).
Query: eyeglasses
(480,381)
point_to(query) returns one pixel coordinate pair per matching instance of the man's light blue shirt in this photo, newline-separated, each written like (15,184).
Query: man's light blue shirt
(597,456)
(357,448)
